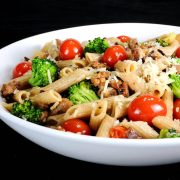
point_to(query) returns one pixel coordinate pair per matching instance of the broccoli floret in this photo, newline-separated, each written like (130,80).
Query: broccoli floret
(175,85)
(178,60)
(27,111)
(82,92)
(97,45)
(169,133)
(44,71)
(162,42)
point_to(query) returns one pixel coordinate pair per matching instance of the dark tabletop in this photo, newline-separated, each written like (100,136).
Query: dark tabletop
(20,19)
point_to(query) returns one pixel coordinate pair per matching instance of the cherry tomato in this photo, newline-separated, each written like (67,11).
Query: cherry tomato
(124,38)
(145,108)
(70,48)
(178,52)
(76,125)
(21,69)
(114,54)
(118,132)
(176,109)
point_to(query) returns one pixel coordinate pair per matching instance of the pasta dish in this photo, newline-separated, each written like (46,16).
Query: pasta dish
(114,87)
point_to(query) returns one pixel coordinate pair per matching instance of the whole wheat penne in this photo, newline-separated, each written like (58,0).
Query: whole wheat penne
(75,63)
(7,106)
(35,91)
(47,97)
(164,122)
(97,114)
(56,119)
(67,81)
(20,96)
(79,111)
(168,100)
(169,50)
(19,83)
(119,109)
(66,71)
(134,81)
(170,37)
(105,126)
(156,89)
(142,128)
(51,49)
(90,57)
(126,66)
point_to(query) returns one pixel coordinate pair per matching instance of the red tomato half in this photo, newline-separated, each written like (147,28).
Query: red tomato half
(176,109)
(118,132)
(21,69)
(178,52)
(76,125)
(70,48)
(124,38)
(145,108)
(114,54)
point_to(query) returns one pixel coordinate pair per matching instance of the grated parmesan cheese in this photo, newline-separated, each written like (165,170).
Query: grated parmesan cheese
(49,76)
(105,88)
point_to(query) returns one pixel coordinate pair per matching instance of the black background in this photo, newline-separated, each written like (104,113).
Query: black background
(23,18)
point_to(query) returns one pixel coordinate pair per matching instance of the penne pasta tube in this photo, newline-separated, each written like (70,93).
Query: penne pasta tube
(168,100)
(169,50)
(35,91)
(79,111)
(162,63)
(97,114)
(19,83)
(84,110)
(90,57)
(142,128)
(65,82)
(164,122)
(134,81)
(7,106)
(20,96)
(51,49)
(75,63)
(46,97)
(119,109)
(56,119)
(66,71)
(156,89)
(106,125)
(170,37)
(126,66)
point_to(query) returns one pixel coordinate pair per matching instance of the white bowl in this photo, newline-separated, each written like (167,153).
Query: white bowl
(128,152)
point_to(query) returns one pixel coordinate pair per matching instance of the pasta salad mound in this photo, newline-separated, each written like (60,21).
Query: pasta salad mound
(114,87)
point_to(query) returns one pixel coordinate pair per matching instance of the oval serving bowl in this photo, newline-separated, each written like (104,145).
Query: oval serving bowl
(127,152)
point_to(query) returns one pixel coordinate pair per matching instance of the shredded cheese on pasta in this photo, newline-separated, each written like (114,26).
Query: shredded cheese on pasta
(49,76)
